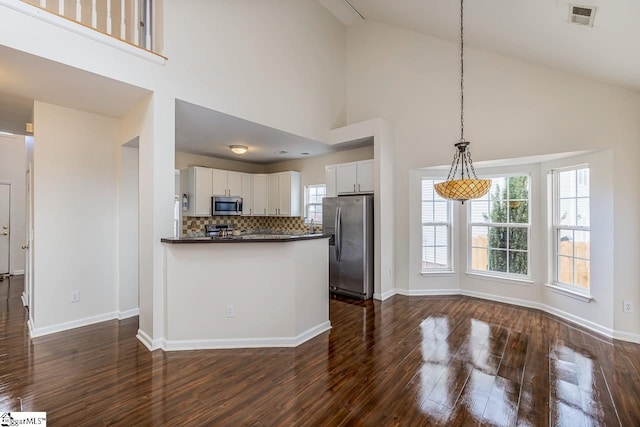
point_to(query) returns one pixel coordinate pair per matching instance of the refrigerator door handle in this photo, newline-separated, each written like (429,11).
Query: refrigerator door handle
(338,226)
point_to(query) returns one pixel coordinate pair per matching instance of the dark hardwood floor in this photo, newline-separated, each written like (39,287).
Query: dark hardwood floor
(421,361)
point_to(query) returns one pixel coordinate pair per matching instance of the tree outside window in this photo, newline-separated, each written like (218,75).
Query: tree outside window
(500,228)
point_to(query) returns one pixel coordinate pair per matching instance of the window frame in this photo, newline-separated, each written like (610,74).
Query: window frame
(510,225)
(556,229)
(448,224)
(307,204)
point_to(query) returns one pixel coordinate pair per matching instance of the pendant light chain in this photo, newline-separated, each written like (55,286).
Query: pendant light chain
(461,70)
(468,186)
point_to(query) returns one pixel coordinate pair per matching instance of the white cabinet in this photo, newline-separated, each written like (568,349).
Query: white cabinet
(284,194)
(247,193)
(355,177)
(195,182)
(260,194)
(330,180)
(365,174)
(226,183)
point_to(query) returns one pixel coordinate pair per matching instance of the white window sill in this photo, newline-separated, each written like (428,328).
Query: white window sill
(437,273)
(570,293)
(497,278)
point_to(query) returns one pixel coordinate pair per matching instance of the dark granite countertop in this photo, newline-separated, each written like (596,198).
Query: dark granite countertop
(246,238)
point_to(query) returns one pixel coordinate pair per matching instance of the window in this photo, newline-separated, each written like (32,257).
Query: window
(436,230)
(499,228)
(313,195)
(571,228)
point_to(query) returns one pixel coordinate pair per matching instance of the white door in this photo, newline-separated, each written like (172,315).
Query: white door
(284,193)
(272,192)
(5,209)
(365,176)
(247,194)
(346,178)
(219,183)
(28,270)
(330,180)
(260,194)
(234,183)
(202,191)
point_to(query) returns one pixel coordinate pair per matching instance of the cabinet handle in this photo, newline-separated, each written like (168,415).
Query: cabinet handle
(249,211)
(358,188)
(354,188)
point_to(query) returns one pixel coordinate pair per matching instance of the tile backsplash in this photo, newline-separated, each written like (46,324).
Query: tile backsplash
(276,223)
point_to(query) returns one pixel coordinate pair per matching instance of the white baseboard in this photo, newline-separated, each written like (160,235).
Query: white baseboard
(145,339)
(500,298)
(23,297)
(65,326)
(128,313)
(427,292)
(17,272)
(592,326)
(627,336)
(385,295)
(176,345)
(585,323)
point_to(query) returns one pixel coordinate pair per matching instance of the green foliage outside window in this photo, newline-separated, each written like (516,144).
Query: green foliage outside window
(509,205)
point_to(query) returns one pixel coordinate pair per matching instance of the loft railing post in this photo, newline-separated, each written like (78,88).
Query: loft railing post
(136,23)
(109,17)
(61,7)
(147,24)
(78,11)
(94,14)
(123,25)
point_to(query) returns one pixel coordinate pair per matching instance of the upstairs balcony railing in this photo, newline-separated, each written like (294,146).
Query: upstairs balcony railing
(127,20)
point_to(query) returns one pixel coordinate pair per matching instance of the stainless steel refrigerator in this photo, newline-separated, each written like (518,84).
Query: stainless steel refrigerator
(349,222)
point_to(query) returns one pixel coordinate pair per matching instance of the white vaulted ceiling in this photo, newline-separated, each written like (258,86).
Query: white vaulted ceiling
(536,31)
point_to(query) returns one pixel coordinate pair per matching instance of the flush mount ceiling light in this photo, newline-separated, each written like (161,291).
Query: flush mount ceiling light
(468,186)
(239,149)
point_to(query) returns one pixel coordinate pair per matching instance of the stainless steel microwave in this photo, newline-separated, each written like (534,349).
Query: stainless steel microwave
(226,205)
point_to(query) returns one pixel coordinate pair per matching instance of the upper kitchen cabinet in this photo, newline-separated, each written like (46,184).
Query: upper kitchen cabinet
(195,182)
(330,180)
(260,186)
(354,177)
(226,183)
(284,194)
(247,193)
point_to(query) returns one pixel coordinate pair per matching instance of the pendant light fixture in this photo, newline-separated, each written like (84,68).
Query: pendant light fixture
(467,186)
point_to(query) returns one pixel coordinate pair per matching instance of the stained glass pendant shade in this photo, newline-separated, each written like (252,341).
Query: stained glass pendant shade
(467,186)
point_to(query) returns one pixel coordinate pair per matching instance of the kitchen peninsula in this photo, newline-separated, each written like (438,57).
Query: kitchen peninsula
(245,291)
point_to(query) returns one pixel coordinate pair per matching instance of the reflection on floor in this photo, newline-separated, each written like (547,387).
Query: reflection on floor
(406,361)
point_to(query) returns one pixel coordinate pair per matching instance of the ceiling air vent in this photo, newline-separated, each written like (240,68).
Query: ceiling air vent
(582,15)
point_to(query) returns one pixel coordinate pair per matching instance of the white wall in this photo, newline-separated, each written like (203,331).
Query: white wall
(512,109)
(13,158)
(312,169)
(128,231)
(279,63)
(75,214)
(184,160)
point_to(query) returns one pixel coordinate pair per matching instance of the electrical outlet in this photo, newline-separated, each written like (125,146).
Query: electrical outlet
(627,306)
(231,310)
(75,296)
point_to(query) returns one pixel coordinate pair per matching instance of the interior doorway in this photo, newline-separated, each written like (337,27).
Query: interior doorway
(5,222)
